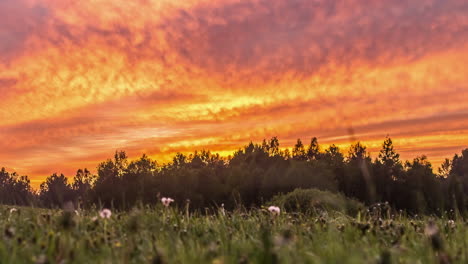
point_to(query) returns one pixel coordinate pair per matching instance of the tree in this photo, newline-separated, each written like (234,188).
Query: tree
(313,152)
(444,169)
(357,152)
(424,190)
(359,179)
(388,169)
(56,191)
(333,156)
(82,185)
(265,146)
(138,179)
(299,152)
(108,189)
(387,154)
(15,189)
(179,160)
(253,175)
(458,182)
(274,147)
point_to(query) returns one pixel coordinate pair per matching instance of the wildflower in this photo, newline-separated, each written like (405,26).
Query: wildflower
(105,213)
(451,224)
(12,210)
(166,201)
(274,210)
(223,212)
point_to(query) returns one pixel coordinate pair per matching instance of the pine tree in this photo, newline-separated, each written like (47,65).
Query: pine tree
(313,151)
(299,152)
(387,154)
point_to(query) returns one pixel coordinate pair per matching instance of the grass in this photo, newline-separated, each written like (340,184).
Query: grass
(168,235)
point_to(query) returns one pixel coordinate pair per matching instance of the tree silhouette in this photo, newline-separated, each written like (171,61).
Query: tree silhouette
(253,175)
(56,191)
(83,183)
(15,189)
(313,152)
(299,152)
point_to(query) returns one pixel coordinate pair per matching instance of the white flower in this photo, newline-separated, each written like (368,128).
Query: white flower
(274,210)
(222,209)
(105,213)
(451,224)
(12,210)
(167,201)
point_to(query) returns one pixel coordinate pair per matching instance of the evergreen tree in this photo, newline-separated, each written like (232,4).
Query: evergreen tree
(299,152)
(313,152)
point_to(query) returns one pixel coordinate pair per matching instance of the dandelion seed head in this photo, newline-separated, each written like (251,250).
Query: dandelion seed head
(166,201)
(274,210)
(451,223)
(105,213)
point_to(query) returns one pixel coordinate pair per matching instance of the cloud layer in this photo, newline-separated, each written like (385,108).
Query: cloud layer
(79,79)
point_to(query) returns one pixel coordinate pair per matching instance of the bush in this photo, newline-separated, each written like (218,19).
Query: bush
(314,201)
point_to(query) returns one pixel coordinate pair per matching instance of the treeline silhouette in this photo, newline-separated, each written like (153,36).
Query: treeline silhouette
(252,176)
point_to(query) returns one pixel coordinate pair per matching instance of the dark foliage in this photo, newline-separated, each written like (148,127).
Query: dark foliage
(253,175)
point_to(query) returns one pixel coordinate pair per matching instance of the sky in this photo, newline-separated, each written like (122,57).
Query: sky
(82,79)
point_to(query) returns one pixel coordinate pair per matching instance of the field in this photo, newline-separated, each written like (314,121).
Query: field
(168,235)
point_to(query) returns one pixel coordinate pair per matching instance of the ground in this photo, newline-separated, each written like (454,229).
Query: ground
(170,235)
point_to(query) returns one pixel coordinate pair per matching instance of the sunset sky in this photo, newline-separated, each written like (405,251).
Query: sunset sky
(82,79)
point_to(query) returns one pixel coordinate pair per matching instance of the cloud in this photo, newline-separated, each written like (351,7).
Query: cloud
(79,79)
(267,37)
(19,19)
(6,87)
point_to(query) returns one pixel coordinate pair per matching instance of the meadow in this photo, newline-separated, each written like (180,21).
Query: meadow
(262,205)
(159,234)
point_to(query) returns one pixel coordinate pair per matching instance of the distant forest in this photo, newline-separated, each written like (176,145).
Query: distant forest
(252,176)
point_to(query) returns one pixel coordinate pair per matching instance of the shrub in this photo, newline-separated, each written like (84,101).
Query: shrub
(314,201)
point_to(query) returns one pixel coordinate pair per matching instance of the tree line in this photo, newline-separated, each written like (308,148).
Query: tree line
(252,176)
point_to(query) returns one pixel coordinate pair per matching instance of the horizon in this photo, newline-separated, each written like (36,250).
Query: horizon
(160,77)
(344,148)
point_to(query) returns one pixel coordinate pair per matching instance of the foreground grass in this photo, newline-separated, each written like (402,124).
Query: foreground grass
(160,235)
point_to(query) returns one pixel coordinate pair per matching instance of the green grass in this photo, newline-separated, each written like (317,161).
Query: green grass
(160,235)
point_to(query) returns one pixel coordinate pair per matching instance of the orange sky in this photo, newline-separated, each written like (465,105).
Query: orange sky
(81,79)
